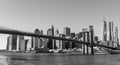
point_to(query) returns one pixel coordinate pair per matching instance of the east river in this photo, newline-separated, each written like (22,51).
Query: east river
(58,59)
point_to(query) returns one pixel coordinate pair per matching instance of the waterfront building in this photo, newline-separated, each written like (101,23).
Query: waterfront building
(12,42)
(49,44)
(80,35)
(26,42)
(8,47)
(80,38)
(32,43)
(96,39)
(20,43)
(57,42)
(41,45)
(45,42)
(41,32)
(61,42)
(73,36)
(116,39)
(36,40)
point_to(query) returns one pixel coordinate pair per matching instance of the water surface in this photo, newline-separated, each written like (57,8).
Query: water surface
(59,59)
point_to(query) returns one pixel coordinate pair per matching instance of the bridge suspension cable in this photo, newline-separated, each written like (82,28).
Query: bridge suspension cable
(6,28)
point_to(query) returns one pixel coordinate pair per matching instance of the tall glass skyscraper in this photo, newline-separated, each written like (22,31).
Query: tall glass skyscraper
(105,33)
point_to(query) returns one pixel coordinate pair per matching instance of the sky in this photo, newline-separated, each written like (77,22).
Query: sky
(27,15)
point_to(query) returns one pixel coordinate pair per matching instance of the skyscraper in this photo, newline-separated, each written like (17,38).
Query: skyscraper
(66,31)
(111,34)
(105,33)
(116,39)
(51,44)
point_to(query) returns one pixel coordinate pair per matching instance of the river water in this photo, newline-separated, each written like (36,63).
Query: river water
(59,59)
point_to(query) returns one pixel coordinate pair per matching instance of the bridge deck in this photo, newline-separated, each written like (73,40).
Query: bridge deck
(51,37)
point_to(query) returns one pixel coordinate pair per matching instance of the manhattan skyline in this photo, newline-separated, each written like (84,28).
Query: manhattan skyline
(29,15)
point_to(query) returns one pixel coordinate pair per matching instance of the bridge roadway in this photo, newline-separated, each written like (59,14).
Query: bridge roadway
(15,32)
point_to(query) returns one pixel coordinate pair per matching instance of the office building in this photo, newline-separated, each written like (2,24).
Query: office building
(62,43)
(111,34)
(20,43)
(8,44)
(96,39)
(72,35)
(51,42)
(105,33)
(66,31)
(41,45)
(116,39)
(27,41)
(36,40)
(12,43)
(57,41)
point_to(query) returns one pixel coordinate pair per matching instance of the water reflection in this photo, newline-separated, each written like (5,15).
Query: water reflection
(4,60)
(60,59)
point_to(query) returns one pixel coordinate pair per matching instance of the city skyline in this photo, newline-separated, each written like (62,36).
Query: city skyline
(25,16)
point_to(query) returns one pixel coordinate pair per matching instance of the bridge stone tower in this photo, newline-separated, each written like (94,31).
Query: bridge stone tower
(91,30)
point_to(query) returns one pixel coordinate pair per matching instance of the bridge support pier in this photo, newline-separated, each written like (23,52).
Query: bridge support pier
(85,47)
(92,43)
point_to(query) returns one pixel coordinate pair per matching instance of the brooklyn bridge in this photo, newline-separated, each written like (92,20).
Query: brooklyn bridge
(89,44)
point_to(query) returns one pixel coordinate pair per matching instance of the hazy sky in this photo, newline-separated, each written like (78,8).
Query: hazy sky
(27,15)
